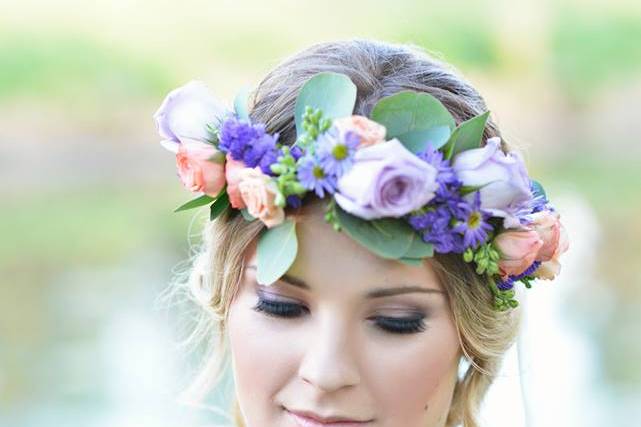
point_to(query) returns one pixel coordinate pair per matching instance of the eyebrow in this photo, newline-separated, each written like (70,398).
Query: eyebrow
(376,293)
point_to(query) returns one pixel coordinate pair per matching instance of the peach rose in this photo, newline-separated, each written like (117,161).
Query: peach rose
(232,169)
(548,270)
(548,227)
(518,250)
(200,167)
(258,192)
(369,131)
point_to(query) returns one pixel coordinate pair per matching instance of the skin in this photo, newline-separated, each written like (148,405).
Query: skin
(333,358)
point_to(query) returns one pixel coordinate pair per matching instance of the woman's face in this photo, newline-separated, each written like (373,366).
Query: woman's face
(343,334)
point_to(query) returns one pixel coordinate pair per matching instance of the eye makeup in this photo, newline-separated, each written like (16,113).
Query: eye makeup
(274,307)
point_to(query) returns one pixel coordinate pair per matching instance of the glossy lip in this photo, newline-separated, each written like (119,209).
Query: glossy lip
(311,419)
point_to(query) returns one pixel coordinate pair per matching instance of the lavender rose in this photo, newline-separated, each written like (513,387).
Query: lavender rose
(505,179)
(386,180)
(185,113)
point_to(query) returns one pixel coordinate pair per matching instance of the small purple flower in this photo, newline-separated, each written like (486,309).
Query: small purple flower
(336,153)
(236,136)
(473,223)
(313,176)
(294,201)
(508,283)
(256,150)
(445,174)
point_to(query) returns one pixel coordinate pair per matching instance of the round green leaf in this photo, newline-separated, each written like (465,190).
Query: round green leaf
(388,237)
(419,248)
(416,119)
(333,93)
(276,251)
(240,104)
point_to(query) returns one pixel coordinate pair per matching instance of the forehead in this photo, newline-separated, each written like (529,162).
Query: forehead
(330,261)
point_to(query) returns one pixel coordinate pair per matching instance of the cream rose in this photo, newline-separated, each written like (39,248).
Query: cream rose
(369,131)
(258,192)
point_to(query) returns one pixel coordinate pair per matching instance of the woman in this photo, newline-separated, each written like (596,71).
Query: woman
(331,331)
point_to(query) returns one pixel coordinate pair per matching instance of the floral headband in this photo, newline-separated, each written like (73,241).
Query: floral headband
(405,182)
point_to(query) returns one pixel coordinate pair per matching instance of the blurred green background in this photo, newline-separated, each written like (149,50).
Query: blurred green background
(87,234)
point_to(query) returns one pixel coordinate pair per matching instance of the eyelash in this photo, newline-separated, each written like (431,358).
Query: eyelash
(393,325)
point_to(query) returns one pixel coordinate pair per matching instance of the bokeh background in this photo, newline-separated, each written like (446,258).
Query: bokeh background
(88,239)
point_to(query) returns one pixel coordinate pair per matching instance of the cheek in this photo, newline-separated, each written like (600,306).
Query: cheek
(262,361)
(414,378)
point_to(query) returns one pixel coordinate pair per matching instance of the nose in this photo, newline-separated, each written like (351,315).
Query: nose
(330,359)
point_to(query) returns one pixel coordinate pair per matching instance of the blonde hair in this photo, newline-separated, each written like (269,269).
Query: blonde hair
(377,69)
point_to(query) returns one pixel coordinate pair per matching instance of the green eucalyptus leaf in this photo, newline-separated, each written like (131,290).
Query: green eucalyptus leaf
(387,237)
(466,136)
(195,203)
(416,119)
(412,261)
(241,104)
(419,248)
(277,247)
(219,206)
(539,191)
(218,157)
(247,215)
(333,93)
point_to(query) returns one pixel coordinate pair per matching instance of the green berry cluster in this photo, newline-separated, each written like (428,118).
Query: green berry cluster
(313,124)
(486,258)
(331,216)
(287,181)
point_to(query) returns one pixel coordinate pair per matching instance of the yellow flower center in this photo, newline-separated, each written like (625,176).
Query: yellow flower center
(340,151)
(318,172)
(474,220)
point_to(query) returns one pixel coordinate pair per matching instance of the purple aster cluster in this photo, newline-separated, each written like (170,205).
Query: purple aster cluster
(449,222)
(507,284)
(334,155)
(248,143)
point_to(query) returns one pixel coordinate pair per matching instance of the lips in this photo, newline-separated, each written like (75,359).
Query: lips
(310,419)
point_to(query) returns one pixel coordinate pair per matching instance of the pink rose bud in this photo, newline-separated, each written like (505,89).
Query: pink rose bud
(232,169)
(369,131)
(548,227)
(199,167)
(258,192)
(518,250)
(548,270)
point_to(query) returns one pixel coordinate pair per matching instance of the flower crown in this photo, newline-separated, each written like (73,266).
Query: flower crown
(405,182)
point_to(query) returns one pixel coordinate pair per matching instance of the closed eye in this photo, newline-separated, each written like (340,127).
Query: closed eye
(395,325)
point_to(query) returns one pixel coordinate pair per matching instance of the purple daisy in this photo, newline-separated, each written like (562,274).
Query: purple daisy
(473,223)
(336,152)
(314,176)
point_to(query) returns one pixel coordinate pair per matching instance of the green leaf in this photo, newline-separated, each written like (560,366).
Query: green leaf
(419,248)
(333,93)
(416,119)
(388,237)
(241,104)
(247,215)
(412,261)
(195,203)
(539,191)
(219,206)
(276,251)
(466,136)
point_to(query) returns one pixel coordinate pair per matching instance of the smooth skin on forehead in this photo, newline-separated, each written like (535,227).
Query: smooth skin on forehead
(335,358)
